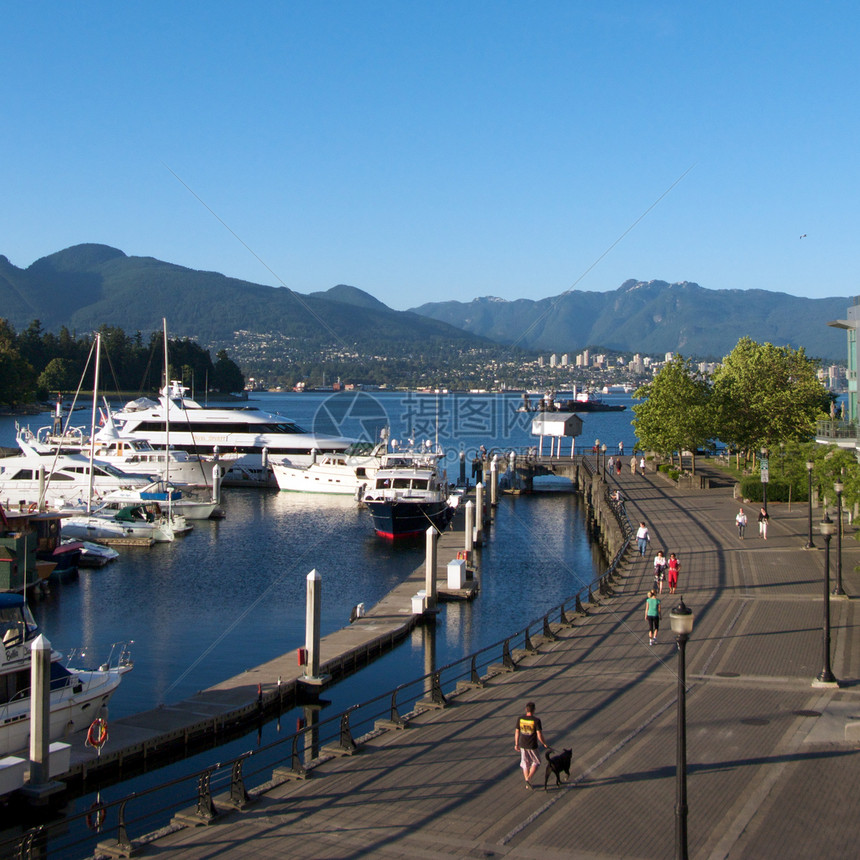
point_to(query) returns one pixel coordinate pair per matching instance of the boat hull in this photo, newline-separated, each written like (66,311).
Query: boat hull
(407,518)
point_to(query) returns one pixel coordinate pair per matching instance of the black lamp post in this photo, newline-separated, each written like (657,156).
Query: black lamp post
(603,448)
(838,590)
(809,543)
(597,455)
(681,618)
(827,528)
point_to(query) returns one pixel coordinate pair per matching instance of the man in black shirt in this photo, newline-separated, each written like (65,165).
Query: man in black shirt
(527,735)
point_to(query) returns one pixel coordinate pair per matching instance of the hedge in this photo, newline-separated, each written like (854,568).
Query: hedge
(777,491)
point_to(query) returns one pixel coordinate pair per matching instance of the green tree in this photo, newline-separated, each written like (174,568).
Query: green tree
(17,377)
(226,375)
(765,394)
(59,375)
(674,414)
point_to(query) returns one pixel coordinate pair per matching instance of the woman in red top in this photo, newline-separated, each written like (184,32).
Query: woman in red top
(672,572)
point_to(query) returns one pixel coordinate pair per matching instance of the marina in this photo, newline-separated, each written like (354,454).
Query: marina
(230,595)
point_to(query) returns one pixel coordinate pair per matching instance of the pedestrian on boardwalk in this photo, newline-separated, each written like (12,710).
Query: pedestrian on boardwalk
(672,569)
(642,466)
(652,616)
(659,570)
(527,735)
(642,539)
(633,464)
(762,523)
(618,467)
(741,520)
(611,463)
(620,449)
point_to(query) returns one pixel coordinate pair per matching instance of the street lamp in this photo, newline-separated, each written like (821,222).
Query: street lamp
(603,448)
(681,618)
(597,455)
(809,543)
(827,528)
(839,591)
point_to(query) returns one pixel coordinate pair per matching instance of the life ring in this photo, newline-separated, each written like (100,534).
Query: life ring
(97,733)
(96,816)
(34,506)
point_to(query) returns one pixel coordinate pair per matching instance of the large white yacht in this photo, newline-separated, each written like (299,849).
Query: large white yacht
(255,435)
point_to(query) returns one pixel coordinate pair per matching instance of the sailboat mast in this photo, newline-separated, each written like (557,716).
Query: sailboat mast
(93,420)
(167,423)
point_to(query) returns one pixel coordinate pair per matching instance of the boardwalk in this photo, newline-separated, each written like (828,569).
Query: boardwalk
(773,765)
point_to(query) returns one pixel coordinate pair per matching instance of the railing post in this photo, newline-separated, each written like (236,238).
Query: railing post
(474,678)
(205,805)
(579,607)
(527,643)
(436,694)
(547,630)
(297,768)
(238,794)
(507,658)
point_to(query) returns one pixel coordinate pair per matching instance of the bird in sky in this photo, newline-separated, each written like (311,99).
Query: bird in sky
(803,236)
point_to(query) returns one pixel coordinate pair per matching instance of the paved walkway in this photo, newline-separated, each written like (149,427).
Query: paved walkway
(771,773)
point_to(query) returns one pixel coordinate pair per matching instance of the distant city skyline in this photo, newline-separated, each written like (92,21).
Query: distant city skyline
(427,152)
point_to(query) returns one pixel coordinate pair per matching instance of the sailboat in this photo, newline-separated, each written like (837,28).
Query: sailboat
(138,520)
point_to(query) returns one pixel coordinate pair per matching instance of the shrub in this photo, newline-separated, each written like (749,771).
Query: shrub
(777,491)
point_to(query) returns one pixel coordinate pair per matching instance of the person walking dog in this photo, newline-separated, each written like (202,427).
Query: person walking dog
(527,735)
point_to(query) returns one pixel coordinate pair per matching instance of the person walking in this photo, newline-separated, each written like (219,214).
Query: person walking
(611,464)
(642,466)
(620,449)
(527,735)
(762,523)
(672,569)
(741,520)
(633,464)
(618,467)
(652,616)
(659,570)
(642,539)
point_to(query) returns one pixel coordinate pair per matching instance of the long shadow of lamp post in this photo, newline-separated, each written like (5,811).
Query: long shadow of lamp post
(809,467)
(681,618)
(838,590)
(827,528)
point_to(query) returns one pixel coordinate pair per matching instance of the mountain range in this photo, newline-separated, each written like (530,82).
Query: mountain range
(89,285)
(653,317)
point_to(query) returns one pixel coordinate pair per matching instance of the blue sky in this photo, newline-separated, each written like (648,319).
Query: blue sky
(432,151)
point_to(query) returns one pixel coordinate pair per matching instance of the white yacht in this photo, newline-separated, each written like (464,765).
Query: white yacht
(256,436)
(77,695)
(351,472)
(128,454)
(58,480)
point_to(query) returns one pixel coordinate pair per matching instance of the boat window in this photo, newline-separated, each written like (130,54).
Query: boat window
(22,475)
(419,484)
(59,476)
(15,685)
(401,483)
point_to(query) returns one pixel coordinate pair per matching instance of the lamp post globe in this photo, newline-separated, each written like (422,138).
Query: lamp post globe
(809,466)
(827,528)
(681,619)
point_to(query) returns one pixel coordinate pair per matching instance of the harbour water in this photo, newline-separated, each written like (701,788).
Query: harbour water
(231,595)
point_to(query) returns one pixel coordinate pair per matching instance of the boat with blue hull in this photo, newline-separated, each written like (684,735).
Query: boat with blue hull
(404,502)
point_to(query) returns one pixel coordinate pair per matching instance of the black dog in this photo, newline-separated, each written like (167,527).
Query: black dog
(557,764)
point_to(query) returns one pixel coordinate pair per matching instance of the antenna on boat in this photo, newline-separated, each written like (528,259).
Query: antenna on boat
(167,429)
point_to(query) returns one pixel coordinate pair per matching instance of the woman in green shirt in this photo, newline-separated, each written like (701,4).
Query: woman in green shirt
(652,615)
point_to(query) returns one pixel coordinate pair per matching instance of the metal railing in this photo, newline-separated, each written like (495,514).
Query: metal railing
(194,796)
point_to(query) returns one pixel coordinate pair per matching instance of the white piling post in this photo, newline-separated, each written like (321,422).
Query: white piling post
(430,567)
(40,710)
(479,514)
(494,481)
(312,624)
(470,526)
(42,504)
(216,484)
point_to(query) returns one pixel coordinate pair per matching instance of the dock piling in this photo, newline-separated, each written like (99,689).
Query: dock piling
(470,527)
(430,567)
(479,514)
